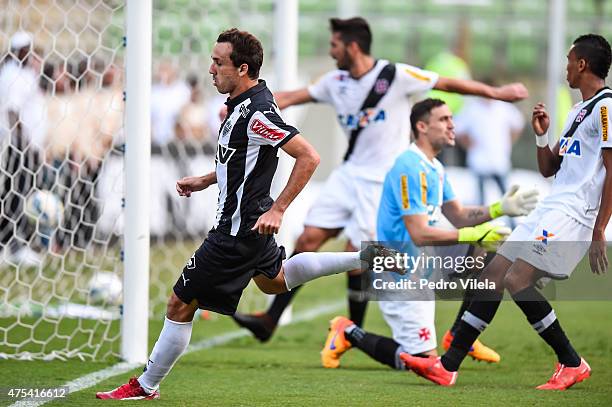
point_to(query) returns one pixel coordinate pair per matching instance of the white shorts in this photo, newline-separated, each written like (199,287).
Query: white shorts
(549,240)
(347,202)
(413,322)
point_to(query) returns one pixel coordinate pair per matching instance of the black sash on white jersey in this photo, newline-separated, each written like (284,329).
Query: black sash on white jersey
(379,89)
(588,109)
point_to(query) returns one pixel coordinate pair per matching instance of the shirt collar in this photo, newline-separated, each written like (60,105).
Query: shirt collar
(232,103)
(432,163)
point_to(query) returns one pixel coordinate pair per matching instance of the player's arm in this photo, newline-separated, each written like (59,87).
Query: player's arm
(306,161)
(486,235)
(549,161)
(424,235)
(515,202)
(510,93)
(597,252)
(185,186)
(294,97)
(461,216)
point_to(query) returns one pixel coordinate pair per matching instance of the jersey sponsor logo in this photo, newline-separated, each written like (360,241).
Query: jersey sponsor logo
(362,119)
(581,115)
(423,187)
(545,236)
(569,147)
(265,131)
(404,191)
(224,153)
(604,122)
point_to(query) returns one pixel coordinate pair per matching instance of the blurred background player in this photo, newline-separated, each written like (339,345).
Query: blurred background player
(554,238)
(372,101)
(486,129)
(416,193)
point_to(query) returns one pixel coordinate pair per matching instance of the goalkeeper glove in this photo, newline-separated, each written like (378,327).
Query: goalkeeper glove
(515,203)
(486,235)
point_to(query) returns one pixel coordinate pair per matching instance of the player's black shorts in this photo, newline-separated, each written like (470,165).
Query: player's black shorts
(222,267)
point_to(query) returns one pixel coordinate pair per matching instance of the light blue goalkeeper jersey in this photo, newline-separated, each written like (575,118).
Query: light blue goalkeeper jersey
(414,185)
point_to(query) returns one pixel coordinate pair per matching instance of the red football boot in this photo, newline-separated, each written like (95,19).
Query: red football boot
(129,391)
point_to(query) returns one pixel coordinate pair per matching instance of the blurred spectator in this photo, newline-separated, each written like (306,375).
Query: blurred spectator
(487,129)
(168,96)
(191,124)
(86,115)
(22,131)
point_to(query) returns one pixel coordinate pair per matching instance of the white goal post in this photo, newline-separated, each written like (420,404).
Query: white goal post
(135,323)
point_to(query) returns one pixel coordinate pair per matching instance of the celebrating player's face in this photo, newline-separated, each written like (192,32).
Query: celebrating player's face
(440,128)
(338,51)
(224,73)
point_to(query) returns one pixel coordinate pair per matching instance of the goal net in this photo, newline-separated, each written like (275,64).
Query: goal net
(62,149)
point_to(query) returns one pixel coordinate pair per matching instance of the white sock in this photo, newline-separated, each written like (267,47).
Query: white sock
(172,342)
(304,267)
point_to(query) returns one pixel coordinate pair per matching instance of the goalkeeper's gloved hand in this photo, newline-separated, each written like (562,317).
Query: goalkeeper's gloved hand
(515,203)
(486,235)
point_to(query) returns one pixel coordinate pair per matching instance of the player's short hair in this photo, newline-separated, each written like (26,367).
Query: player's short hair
(246,49)
(421,111)
(354,29)
(595,50)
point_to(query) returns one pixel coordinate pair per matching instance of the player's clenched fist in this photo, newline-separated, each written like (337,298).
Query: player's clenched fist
(269,223)
(185,186)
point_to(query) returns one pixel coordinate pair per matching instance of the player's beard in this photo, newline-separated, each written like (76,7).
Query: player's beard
(345,62)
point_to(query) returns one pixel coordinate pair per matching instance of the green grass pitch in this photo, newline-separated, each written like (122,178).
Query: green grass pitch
(286,371)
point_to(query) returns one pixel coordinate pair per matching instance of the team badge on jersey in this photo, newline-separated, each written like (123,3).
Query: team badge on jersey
(581,115)
(570,147)
(424,334)
(381,86)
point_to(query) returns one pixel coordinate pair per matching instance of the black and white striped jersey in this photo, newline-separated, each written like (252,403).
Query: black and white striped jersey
(246,158)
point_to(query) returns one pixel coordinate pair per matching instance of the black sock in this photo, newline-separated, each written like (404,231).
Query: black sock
(468,296)
(357,298)
(542,317)
(479,314)
(280,302)
(379,348)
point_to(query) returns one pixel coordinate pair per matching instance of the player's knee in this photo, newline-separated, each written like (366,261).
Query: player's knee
(307,242)
(496,274)
(514,281)
(179,311)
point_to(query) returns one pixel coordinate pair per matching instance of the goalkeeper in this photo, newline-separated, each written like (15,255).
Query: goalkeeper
(415,194)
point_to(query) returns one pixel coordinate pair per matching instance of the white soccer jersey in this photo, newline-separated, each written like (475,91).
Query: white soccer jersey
(578,184)
(386,127)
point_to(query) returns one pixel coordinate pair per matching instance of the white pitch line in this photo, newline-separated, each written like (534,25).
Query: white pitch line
(94,378)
